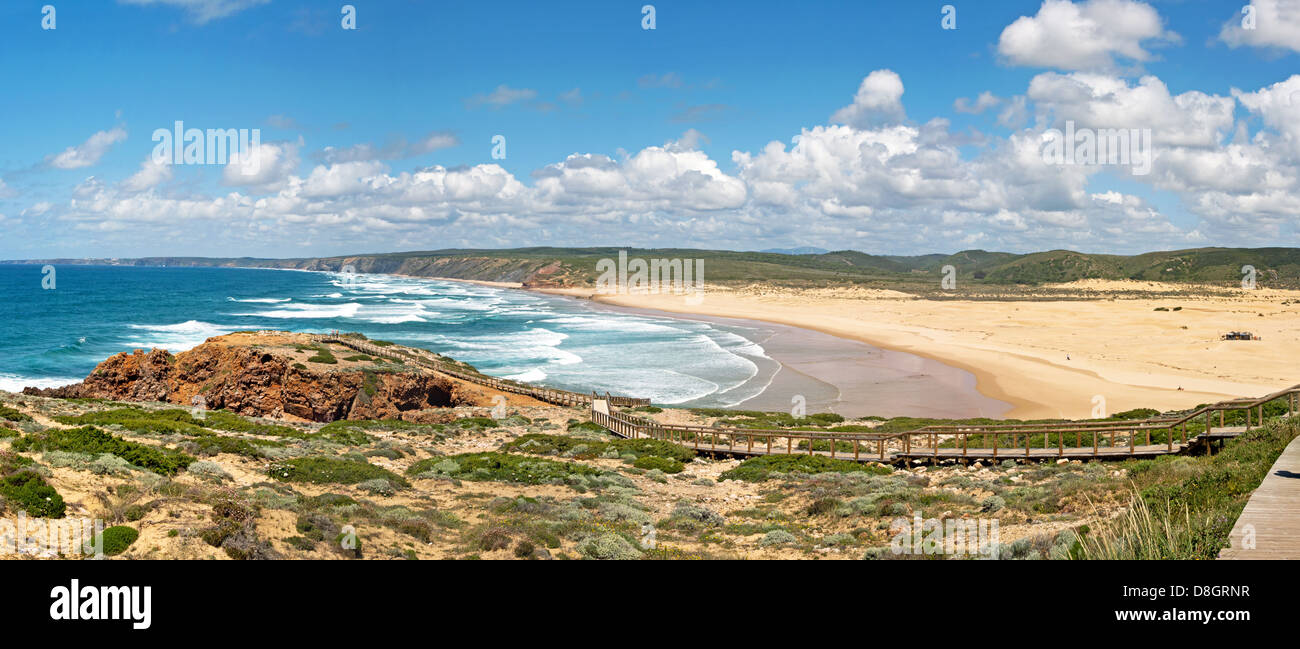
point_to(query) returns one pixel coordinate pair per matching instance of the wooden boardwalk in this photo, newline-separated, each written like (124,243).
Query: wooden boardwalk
(1269,526)
(1042,442)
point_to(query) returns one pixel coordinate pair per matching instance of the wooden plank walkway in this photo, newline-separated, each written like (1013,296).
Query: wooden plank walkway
(1269,526)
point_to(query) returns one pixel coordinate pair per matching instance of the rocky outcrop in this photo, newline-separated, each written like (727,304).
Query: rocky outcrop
(255,382)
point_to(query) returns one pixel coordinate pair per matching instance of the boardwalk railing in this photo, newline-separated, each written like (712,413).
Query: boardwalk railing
(418,357)
(1075,439)
(748,441)
(1150,436)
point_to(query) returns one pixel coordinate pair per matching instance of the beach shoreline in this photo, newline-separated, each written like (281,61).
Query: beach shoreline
(1133,353)
(825,371)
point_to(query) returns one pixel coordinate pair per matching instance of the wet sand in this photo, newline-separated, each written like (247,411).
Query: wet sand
(848,377)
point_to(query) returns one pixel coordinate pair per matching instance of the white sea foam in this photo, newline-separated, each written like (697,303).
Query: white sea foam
(347,310)
(16,383)
(177,337)
(533,375)
(260,300)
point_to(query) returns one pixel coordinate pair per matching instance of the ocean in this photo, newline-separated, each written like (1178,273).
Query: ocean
(57,336)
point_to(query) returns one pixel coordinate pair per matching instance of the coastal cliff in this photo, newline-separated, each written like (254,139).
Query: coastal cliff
(257,376)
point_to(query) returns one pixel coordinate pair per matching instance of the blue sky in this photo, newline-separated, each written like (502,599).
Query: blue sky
(355,120)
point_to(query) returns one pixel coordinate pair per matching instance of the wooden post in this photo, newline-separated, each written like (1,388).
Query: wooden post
(1060,444)
(1094,443)
(855,449)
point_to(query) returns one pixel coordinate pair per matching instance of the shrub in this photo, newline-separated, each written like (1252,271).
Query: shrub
(28,490)
(826,505)
(541,444)
(758,469)
(209,470)
(300,543)
(502,467)
(11,414)
(326,470)
(993,503)
(694,512)
(661,463)
(609,546)
(117,539)
(585,426)
(323,356)
(92,440)
(378,486)
(211,444)
(777,537)
(475,422)
(495,539)
(525,549)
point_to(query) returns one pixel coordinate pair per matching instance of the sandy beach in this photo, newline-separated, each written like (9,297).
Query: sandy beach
(1047,357)
(826,373)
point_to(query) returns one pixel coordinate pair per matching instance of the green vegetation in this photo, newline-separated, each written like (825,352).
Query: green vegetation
(177,421)
(11,414)
(323,355)
(117,539)
(758,469)
(759,419)
(651,462)
(577,447)
(22,486)
(501,467)
(138,420)
(1277,267)
(91,440)
(328,470)
(1185,507)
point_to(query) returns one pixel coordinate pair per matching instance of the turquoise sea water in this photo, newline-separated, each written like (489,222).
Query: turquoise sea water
(54,337)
